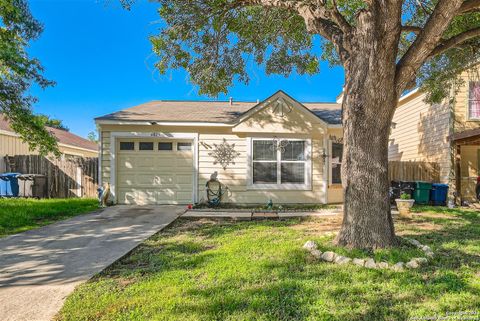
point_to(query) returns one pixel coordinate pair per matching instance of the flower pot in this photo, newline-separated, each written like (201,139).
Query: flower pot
(404,207)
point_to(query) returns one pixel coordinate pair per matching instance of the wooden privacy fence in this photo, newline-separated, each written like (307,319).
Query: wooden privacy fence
(66,177)
(413,171)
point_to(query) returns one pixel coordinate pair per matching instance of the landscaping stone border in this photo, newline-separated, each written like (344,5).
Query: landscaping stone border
(370,263)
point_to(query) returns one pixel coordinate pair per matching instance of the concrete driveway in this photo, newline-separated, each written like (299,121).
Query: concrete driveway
(39,268)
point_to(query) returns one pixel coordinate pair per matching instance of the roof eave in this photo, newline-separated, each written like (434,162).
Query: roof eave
(161,123)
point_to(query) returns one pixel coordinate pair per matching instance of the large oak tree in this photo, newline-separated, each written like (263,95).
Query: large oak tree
(385,47)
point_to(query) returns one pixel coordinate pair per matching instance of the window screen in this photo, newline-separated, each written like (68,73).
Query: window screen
(274,165)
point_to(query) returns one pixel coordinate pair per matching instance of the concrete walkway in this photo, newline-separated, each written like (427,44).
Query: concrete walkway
(39,268)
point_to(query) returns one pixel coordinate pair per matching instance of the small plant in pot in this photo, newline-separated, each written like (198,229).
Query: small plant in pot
(404,203)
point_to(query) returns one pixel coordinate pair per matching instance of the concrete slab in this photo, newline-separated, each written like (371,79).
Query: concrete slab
(248,214)
(216,214)
(39,268)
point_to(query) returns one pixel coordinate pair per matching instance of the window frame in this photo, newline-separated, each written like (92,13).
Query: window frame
(146,142)
(307,185)
(469,100)
(165,150)
(330,169)
(177,147)
(129,142)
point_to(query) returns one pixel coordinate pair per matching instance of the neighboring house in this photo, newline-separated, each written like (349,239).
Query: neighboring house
(68,143)
(447,133)
(164,152)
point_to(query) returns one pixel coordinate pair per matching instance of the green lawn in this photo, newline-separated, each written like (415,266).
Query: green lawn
(220,270)
(19,215)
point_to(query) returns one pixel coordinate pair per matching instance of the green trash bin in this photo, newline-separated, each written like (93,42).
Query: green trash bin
(421,194)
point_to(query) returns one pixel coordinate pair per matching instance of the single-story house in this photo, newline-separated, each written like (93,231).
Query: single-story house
(69,144)
(279,149)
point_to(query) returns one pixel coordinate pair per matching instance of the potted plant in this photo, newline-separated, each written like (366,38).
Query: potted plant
(404,203)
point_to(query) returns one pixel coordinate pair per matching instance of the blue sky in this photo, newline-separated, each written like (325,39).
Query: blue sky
(101,59)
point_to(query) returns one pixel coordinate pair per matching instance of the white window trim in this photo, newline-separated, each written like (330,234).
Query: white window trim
(291,186)
(115,136)
(468,102)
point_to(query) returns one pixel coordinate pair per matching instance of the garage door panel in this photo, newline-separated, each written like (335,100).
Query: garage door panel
(126,179)
(154,177)
(184,196)
(184,179)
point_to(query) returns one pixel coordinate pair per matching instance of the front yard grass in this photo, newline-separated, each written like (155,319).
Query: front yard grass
(257,270)
(19,215)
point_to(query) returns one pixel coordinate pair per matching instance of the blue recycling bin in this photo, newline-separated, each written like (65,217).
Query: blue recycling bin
(9,185)
(438,194)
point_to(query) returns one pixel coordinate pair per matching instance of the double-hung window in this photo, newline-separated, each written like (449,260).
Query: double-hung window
(474,100)
(280,165)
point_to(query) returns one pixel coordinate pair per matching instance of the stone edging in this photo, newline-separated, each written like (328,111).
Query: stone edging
(369,263)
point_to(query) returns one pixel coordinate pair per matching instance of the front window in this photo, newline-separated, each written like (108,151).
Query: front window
(474,100)
(275,167)
(337,152)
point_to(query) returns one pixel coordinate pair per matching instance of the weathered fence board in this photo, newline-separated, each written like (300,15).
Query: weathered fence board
(413,171)
(66,177)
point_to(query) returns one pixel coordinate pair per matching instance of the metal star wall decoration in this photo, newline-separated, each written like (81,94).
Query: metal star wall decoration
(224,154)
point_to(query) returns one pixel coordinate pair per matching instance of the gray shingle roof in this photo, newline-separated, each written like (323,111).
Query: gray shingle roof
(208,111)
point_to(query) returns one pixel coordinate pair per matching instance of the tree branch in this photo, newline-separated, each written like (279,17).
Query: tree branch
(426,41)
(413,29)
(319,19)
(455,41)
(340,19)
(469,6)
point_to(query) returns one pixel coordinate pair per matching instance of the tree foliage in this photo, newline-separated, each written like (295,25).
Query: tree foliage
(18,72)
(216,40)
(52,122)
(92,136)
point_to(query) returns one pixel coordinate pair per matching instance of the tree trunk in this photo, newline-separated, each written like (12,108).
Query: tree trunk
(369,102)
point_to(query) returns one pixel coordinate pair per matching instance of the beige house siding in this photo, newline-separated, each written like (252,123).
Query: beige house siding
(235,176)
(461,120)
(420,133)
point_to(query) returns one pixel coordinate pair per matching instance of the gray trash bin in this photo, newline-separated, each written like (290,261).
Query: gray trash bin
(32,185)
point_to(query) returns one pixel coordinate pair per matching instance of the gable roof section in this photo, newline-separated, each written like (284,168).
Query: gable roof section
(280,97)
(63,137)
(221,112)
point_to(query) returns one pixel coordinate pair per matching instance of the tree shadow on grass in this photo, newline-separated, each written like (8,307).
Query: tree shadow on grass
(294,286)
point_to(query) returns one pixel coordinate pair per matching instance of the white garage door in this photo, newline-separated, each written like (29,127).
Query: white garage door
(154,172)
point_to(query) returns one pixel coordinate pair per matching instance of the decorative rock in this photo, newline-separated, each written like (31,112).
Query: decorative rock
(328,256)
(412,264)
(383,265)
(415,242)
(398,266)
(339,259)
(370,263)
(426,248)
(429,254)
(420,260)
(310,245)
(316,253)
(359,262)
